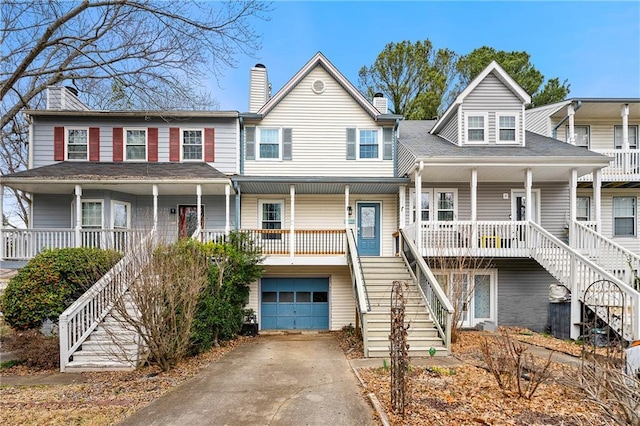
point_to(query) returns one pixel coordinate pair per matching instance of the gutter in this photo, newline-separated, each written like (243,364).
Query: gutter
(554,132)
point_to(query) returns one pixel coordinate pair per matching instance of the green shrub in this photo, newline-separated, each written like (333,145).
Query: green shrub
(220,310)
(50,282)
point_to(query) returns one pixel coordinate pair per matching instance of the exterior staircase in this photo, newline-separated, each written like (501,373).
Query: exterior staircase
(379,274)
(112,346)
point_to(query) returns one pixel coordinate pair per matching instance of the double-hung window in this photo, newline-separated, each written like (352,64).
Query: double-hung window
(476,128)
(77,144)
(136,144)
(192,144)
(269,143)
(583,209)
(446,204)
(442,201)
(271,218)
(624,216)
(369,144)
(92,214)
(581,135)
(633,137)
(507,128)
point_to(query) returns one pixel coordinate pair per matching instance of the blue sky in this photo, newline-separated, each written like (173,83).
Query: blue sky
(595,45)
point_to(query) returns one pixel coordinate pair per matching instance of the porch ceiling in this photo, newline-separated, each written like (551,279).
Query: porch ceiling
(318,185)
(602,109)
(134,188)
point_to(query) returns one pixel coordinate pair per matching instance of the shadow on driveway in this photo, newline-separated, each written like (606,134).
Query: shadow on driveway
(300,379)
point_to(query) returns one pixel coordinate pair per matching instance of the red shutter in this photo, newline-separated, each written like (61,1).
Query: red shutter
(117,144)
(174,144)
(94,144)
(58,144)
(209,145)
(153,144)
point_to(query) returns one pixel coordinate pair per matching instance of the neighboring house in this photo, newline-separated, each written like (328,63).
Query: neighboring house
(343,198)
(607,199)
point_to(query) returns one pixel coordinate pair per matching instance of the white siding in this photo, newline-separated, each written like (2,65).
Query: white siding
(319,123)
(324,212)
(406,160)
(450,130)
(631,243)
(226,138)
(341,299)
(538,120)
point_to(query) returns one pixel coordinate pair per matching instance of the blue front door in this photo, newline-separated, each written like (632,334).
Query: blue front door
(295,303)
(369,229)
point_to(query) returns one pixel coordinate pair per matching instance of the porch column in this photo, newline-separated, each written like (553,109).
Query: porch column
(528,178)
(625,126)
(154,191)
(199,203)
(418,206)
(597,198)
(292,228)
(227,195)
(474,207)
(78,192)
(571,138)
(573,193)
(2,246)
(402,194)
(346,206)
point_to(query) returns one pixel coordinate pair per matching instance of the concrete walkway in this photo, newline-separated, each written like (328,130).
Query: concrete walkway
(301,379)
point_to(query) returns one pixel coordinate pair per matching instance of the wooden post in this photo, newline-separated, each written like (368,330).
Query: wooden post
(78,192)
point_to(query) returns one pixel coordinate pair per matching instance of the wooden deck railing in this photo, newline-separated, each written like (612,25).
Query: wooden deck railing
(305,242)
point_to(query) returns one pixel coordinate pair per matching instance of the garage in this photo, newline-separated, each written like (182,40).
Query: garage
(295,303)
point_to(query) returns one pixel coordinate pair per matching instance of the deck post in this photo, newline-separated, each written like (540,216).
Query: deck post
(571,137)
(597,195)
(573,188)
(155,206)
(474,209)
(199,204)
(2,244)
(78,192)
(418,206)
(625,129)
(227,195)
(292,230)
(574,331)
(401,208)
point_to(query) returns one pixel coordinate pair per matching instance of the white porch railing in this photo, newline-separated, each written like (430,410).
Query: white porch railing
(357,275)
(625,166)
(438,304)
(479,238)
(621,262)
(23,244)
(577,272)
(83,316)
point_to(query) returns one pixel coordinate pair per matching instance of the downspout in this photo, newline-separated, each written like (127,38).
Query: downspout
(395,147)
(554,132)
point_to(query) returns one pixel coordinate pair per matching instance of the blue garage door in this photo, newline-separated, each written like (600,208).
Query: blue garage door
(295,303)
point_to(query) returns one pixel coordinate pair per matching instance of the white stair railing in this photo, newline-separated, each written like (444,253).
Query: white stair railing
(621,262)
(577,272)
(78,321)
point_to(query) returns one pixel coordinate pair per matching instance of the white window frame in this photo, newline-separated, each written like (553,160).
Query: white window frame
(586,126)
(66,143)
(379,136)
(189,129)
(515,128)
(259,143)
(125,144)
(485,116)
(433,207)
(261,204)
(615,141)
(614,217)
(83,201)
(113,213)
(468,318)
(536,214)
(586,218)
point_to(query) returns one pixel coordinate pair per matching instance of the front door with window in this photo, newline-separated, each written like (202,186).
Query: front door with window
(474,293)
(368,229)
(188,220)
(519,206)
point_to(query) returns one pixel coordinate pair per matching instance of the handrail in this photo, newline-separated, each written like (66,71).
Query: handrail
(78,321)
(438,304)
(567,265)
(608,254)
(357,273)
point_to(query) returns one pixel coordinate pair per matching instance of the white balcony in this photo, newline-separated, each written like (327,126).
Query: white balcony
(624,167)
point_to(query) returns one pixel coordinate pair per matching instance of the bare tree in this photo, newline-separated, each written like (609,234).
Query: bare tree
(143,54)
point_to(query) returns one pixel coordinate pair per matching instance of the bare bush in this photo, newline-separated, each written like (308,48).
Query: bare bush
(516,371)
(34,350)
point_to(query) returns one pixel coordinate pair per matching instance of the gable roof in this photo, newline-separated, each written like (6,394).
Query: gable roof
(320,60)
(501,74)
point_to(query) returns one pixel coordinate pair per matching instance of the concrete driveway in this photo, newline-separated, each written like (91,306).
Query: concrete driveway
(298,379)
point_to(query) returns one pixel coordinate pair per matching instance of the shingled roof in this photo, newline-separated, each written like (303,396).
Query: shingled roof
(92,171)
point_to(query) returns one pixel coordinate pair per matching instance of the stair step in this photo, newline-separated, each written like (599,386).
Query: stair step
(80,367)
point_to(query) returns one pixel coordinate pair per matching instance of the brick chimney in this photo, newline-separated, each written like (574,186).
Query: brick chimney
(381,103)
(259,88)
(64,98)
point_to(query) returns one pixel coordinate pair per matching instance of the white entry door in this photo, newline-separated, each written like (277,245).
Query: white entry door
(520,204)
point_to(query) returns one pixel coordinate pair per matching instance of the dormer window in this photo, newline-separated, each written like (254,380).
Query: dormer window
(477,128)
(507,128)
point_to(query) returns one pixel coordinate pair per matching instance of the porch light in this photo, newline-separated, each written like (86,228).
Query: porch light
(349,210)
